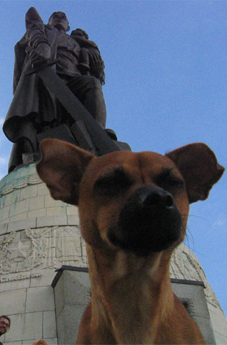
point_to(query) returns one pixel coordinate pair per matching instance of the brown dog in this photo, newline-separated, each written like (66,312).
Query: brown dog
(133,211)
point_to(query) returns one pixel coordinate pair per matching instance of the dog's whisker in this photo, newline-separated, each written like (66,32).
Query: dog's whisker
(199,217)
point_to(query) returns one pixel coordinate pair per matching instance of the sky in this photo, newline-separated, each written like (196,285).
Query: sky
(166,86)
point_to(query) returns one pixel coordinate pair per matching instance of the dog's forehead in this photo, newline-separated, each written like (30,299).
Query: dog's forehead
(134,161)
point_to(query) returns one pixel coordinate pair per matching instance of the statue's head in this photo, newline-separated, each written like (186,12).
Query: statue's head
(81,33)
(59,21)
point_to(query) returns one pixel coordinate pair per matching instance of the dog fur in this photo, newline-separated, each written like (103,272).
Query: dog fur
(133,210)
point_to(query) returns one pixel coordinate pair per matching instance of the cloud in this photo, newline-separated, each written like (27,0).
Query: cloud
(3,167)
(220,221)
(3,160)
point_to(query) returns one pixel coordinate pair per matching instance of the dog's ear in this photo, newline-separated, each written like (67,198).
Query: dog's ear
(61,168)
(199,167)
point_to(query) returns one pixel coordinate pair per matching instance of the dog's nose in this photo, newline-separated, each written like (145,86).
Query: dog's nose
(156,197)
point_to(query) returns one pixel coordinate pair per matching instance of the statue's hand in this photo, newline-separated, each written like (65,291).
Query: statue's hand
(40,55)
(96,63)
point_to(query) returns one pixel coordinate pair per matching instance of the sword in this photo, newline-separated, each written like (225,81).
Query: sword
(75,108)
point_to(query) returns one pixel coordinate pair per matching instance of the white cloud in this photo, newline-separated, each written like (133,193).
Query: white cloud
(3,160)
(220,221)
(3,167)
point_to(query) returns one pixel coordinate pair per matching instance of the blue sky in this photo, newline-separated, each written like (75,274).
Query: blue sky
(166,86)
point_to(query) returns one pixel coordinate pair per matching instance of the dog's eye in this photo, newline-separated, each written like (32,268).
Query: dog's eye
(168,181)
(112,183)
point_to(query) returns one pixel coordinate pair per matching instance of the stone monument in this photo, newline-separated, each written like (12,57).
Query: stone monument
(44,284)
(58,82)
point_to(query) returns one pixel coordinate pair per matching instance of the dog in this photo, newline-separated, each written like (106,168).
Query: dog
(133,210)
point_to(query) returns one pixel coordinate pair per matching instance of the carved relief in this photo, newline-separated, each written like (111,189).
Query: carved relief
(69,246)
(22,251)
(7,186)
(41,248)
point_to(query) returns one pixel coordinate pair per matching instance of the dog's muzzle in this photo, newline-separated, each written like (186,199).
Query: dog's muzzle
(149,222)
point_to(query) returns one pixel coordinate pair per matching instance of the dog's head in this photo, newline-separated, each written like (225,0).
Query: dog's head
(136,202)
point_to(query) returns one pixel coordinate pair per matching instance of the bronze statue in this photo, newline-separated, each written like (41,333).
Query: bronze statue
(35,108)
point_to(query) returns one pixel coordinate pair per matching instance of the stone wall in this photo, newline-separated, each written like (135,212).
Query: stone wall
(37,236)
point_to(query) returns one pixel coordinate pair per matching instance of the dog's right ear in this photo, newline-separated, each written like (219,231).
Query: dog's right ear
(61,168)
(199,167)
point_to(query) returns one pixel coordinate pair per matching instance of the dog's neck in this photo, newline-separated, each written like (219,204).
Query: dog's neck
(130,294)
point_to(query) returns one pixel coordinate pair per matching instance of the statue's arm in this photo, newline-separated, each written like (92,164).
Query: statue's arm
(38,46)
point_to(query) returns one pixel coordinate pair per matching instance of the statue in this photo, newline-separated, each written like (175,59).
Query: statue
(35,108)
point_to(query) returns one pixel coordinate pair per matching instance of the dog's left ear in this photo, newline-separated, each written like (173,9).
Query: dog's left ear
(199,168)
(61,168)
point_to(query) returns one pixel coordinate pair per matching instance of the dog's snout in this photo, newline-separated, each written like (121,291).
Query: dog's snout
(149,222)
(157,197)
